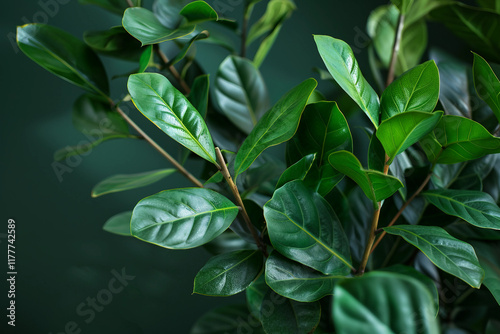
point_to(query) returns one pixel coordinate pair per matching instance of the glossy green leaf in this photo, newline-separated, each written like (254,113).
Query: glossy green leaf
(146,58)
(342,65)
(114,42)
(475,207)
(449,254)
(478,27)
(415,90)
(281,315)
(489,255)
(266,46)
(403,130)
(277,11)
(383,302)
(303,227)
(197,12)
(276,126)
(241,92)
(228,242)
(296,281)
(376,185)
(199,94)
(228,273)
(167,12)
(182,218)
(297,171)
(457,139)
(63,55)
(403,5)
(119,224)
(92,115)
(158,100)
(145,26)
(487,84)
(255,294)
(179,56)
(85,147)
(114,6)
(124,182)
(232,319)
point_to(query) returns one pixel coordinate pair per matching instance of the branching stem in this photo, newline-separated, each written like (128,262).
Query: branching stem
(173,70)
(395,50)
(239,201)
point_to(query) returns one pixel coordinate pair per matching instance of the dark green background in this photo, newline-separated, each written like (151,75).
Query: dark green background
(63,256)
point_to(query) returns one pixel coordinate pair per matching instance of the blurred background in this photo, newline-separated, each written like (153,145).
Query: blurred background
(64,258)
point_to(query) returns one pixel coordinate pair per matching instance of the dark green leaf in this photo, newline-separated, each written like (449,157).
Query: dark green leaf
(489,258)
(228,242)
(124,182)
(241,92)
(228,273)
(114,6)
(63,55)
(266,46)
(376,185)
(276,126)
(145,26)
(233,319)
(277,11)
(403,130)
(255,295)
(373,303)
(197,12)
(475,207)
(178,57)
(478,27)
(296,281)
(403,5)
(281,315)
(145,59)
(342,65)
(167,12)
(158,100)
(490,4)
(415,90)
(457,139)
(119,224)
(297,171)
(304,227)
(447,253)
(487,84)
(182,218)
(114,42)
(199,94)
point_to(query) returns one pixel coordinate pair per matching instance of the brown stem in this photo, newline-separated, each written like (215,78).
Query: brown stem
(174,162)
(173,70)
(369,243)
(395,50)
(419,190)
(239,201)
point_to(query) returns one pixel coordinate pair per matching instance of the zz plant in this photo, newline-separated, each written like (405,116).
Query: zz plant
(399,238)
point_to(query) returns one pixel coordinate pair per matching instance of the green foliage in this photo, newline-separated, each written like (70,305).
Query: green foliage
(292,232)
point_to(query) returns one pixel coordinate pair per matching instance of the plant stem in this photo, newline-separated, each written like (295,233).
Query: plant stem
(369,243)
(395,50)
(174,162)
(419,190)
(172,70)
(239,201)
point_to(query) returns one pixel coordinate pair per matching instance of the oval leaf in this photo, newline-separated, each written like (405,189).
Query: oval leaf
(303,227)
(229,273)
(276,126)
(376,185)
(447,253)
(124,182)
(297,171)
(342,65)
(158,100)
(182,218)
(487,84)
(114,42)
(373,303)
(63,55)
(198,12)
(403,130)
(145,26)
(296,281)
(241,92)
(415,90)
(475,207)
